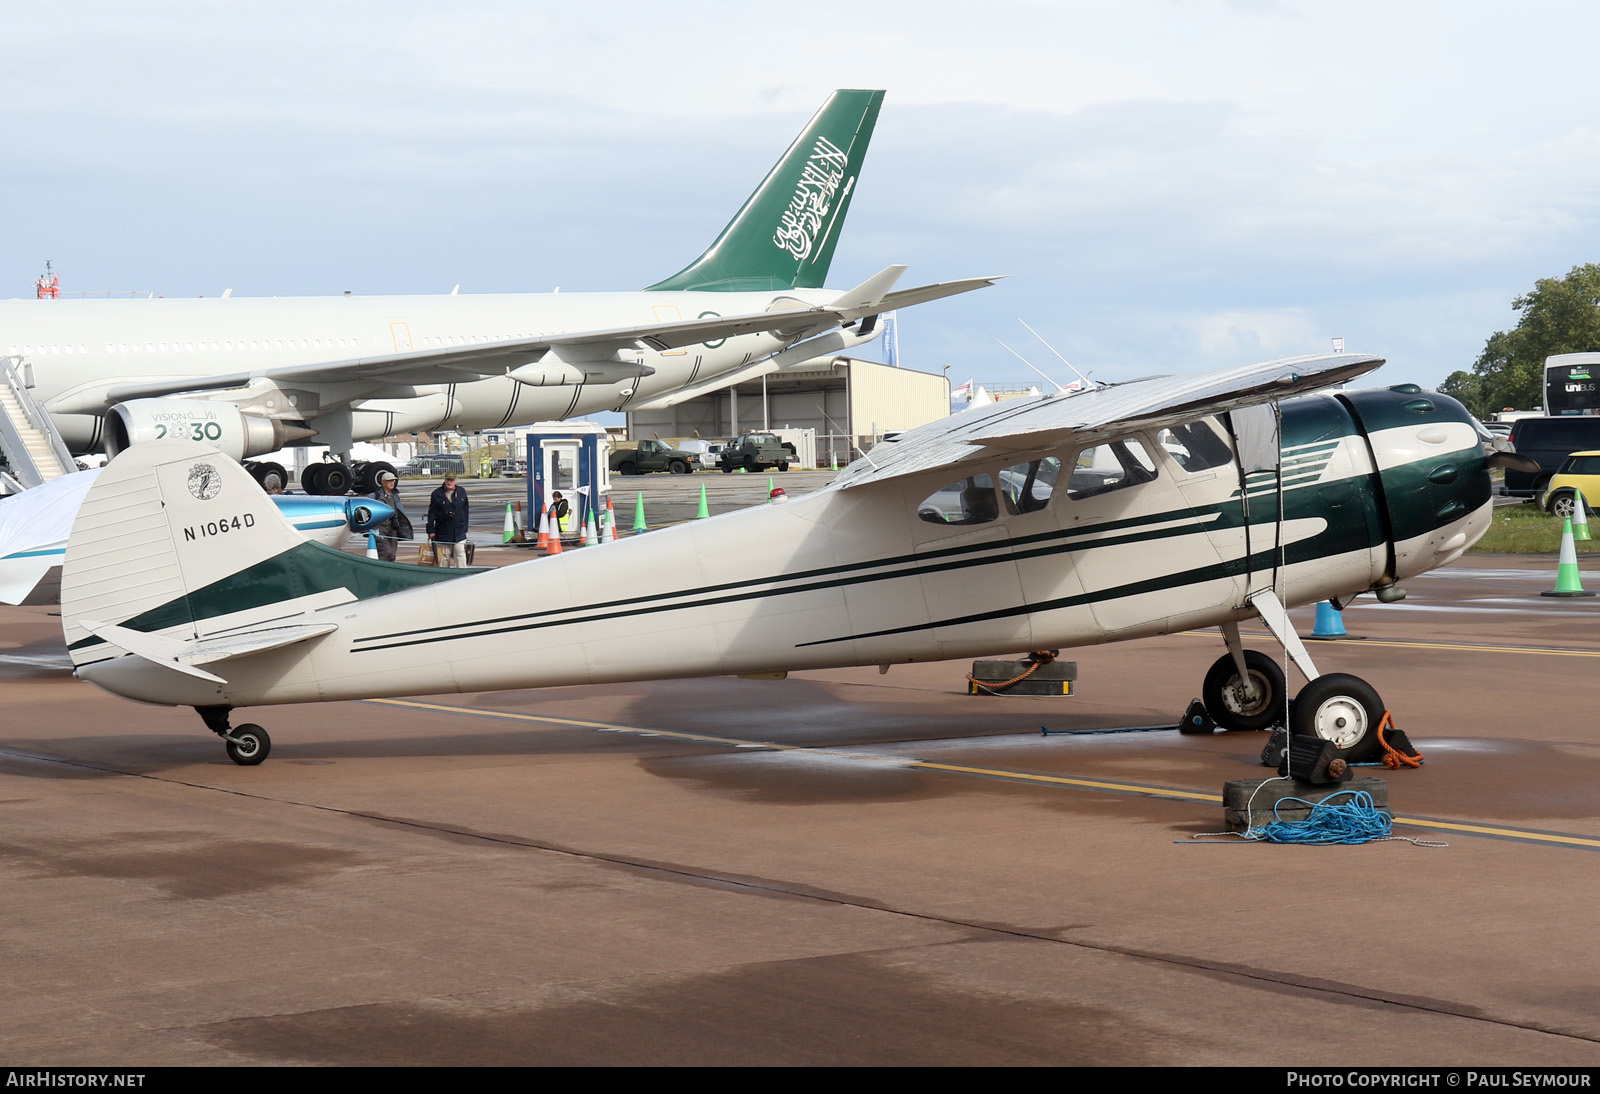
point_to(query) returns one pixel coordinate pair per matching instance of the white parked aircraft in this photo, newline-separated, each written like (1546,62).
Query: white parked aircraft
(251,375)
(961,538)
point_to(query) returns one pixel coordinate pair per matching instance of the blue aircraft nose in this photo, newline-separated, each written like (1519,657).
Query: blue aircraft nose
(364,514)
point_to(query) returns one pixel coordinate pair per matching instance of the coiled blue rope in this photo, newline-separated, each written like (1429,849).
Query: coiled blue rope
(1358,820)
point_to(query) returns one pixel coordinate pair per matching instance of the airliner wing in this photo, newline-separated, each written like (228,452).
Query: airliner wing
(1099,414)
(455,364)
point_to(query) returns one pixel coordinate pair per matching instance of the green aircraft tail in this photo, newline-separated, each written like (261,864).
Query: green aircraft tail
(784,236)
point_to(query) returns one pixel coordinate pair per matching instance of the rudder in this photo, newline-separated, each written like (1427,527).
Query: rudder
(785,234)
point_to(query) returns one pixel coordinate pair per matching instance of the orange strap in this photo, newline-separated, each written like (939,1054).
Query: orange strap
(1041,657)
(1393,757)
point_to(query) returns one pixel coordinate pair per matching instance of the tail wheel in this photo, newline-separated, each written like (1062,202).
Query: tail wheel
(249,746)
(1228,702)
(1343,709)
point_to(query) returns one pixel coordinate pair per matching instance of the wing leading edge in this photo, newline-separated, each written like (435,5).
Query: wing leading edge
(455,364)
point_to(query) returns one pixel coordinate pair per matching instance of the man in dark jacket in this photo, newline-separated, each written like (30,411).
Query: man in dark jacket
(397,527)
(447,522)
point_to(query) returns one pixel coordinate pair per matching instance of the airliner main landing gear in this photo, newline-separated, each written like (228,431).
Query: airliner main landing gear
(272,477)
(247,745)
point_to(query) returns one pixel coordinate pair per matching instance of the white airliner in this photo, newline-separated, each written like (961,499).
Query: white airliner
(249,376)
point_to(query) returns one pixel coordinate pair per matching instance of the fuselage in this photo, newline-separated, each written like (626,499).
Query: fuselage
(1046,549)
(79,350)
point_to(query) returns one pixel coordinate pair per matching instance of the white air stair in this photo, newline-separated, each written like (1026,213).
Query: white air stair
(31,451)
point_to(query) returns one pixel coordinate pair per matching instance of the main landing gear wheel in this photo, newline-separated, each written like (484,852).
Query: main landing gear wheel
(249,746)
(1343,709)
(327,479)
(1226,700)
(272,477)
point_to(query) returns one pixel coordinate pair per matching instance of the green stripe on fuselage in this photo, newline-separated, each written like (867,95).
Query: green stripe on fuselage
(301,571)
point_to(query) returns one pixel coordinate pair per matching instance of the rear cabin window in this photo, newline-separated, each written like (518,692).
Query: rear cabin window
(1581,465)
(967,501)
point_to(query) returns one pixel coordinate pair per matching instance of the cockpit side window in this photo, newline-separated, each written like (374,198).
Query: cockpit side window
(967,501)
(1195,446)
(1108,467)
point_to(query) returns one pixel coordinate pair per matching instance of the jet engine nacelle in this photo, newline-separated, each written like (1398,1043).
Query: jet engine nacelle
(224,426)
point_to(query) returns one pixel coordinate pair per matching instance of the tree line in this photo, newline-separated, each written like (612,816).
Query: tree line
(1560,315)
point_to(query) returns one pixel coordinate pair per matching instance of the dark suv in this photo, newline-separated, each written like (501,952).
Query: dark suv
(1548,441)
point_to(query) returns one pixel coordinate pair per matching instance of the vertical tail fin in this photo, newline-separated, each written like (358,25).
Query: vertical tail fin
(784,236)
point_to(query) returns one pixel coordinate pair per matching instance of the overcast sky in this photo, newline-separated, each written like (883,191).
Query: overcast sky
(1171,186)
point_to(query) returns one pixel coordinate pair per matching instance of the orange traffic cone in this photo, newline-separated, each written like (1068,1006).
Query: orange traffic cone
(544,529)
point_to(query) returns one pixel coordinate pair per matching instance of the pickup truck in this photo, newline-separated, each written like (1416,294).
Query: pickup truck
(651,456)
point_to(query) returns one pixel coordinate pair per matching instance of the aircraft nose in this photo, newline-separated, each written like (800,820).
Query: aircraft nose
(1435,475)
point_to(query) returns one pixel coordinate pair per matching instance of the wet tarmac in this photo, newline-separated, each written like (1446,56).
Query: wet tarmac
(840,867)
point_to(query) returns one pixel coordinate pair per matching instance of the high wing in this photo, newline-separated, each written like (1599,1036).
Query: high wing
(582,356)
(1099,414)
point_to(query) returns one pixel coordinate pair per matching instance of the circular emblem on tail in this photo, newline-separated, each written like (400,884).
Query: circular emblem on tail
(204,482)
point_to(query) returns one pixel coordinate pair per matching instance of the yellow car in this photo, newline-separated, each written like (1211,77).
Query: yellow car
(1579,477)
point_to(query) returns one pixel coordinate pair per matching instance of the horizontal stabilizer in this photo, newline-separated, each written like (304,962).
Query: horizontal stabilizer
(1100,414)
(184,655)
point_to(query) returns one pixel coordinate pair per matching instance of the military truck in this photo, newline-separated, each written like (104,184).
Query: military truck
(755,451)
(651,455)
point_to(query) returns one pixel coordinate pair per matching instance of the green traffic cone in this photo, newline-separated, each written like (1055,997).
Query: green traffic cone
(1567,583)
(1580,518)
(510,526)
(770,485)
(638,515)
(834,459)
(705,510)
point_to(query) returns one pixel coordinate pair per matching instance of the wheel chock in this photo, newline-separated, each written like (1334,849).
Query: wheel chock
(1315,761)
(1196,720)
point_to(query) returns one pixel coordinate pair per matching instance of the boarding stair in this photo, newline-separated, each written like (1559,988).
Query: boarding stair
(31,450)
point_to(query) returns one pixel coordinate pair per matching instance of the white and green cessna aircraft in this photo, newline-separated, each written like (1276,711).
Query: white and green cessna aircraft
(1119,512)
(249,376)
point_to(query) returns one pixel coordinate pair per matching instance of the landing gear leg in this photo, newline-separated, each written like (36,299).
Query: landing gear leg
(1337,707)
(1244,689)
(247,745)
